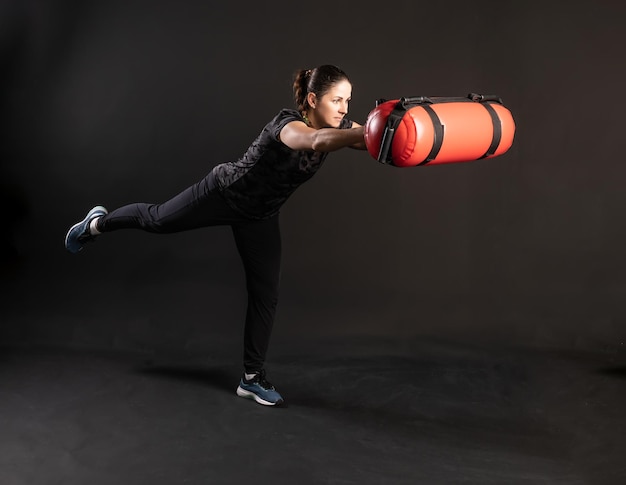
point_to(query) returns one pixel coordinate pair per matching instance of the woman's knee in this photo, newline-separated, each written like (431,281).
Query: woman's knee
(264,290)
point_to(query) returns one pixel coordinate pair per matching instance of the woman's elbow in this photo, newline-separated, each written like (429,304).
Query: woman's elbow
(328,142)
(319,146)
(320,143)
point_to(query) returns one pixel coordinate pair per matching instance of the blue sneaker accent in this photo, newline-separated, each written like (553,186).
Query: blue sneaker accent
(79,233)
(259,389)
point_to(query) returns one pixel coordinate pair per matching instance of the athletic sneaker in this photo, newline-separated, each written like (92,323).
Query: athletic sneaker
(79,233)
(259,389)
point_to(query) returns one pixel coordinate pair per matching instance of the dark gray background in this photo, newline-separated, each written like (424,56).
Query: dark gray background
(111,102)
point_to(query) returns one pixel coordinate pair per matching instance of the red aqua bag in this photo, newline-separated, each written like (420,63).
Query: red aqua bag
(432,130)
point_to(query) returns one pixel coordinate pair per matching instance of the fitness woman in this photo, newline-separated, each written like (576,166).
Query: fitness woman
(247,195)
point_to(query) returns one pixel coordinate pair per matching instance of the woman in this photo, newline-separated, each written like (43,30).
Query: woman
(247,195)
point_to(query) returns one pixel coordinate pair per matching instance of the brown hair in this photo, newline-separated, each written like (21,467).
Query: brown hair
(318,81)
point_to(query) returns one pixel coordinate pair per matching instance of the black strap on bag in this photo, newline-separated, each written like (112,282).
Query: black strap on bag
(486,100)
(404,104)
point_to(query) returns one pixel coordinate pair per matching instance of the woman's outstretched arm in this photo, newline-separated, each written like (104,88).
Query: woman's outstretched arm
(298,136)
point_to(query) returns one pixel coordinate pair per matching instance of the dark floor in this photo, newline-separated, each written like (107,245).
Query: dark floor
(382,413)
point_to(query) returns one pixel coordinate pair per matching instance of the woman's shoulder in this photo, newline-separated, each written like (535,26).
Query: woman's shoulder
(288,113)
(282,118)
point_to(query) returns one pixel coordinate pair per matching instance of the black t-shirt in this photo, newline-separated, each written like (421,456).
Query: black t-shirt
(260,182)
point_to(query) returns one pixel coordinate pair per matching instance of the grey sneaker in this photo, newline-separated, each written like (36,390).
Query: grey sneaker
(79,233)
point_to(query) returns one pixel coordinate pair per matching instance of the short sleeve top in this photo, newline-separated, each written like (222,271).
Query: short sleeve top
(260,182)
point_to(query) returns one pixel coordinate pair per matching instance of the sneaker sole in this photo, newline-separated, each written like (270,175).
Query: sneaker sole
(251,395)
(97,209)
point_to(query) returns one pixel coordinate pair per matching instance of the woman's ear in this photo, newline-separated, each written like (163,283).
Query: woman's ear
(311,99)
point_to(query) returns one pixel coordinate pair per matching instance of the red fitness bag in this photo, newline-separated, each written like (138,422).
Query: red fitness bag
(433,130)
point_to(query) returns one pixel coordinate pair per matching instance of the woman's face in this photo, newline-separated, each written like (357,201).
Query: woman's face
(330,109)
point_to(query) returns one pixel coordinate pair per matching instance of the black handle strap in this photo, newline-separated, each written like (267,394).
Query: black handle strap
(485,98)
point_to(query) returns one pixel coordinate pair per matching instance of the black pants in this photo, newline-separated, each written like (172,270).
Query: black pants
(258,242)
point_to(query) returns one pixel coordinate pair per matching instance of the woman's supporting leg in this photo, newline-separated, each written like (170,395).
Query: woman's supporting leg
(259,245)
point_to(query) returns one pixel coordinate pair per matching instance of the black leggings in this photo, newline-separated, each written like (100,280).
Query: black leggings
(258,242)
